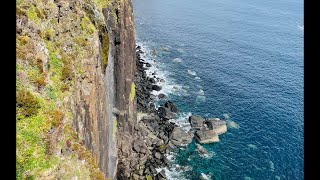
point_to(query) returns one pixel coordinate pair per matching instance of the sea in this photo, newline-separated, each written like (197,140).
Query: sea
(241,61)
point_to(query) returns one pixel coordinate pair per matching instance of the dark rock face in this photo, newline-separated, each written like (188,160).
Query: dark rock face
(156,87)
(165,113)
(171,106)
(196,122)
(122,50)
(162,96)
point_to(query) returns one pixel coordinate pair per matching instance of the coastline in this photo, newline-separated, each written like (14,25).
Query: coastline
(164,120)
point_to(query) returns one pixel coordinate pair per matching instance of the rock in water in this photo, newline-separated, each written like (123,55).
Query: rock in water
(165,113)
(162,96)
(156,87)
(179,137)
(217,125)
(196,122)
(171,106)
(206,136)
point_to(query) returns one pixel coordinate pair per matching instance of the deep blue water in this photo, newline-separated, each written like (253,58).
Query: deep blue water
(248,59)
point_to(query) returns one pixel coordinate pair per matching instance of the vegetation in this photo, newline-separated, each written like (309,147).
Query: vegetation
(49,54)
(132,92)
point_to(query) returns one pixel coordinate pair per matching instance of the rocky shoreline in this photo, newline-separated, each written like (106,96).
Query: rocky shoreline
(157,130)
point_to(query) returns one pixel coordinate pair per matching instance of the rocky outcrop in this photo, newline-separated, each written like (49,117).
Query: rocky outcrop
(207,130)
(206,136)
(196,122)
(217,125)
(180,138)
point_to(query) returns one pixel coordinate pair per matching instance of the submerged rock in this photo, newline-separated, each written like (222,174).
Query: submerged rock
(204,177)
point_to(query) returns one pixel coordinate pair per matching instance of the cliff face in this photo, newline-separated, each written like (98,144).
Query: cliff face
(119,20)
(76,105)
(98,93)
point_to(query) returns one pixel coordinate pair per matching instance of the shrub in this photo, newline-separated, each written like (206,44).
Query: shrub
(27,103)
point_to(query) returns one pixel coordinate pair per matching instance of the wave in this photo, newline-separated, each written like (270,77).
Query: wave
(183,121)
(301,27)
(177,60)
(168,85)
(193,73)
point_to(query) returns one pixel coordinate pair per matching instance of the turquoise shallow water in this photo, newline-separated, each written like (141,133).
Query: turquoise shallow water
(243,59)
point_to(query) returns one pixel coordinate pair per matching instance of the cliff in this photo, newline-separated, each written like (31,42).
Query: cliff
(76,105)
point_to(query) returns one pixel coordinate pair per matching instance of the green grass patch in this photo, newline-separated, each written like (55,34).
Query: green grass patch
(87,25)
(105,50)
(132,92)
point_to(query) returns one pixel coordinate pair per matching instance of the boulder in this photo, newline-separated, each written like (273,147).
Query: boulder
(151,80)
(217,125)
(171,145)
(135,176)
(157,155)
(139,146)
(161,174)
(179,137)
(196,122)
(165,113)
(206,136)
(162,96)
(171,106)
(156,87)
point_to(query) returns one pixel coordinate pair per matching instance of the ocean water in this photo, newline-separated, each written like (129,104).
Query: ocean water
(238,60)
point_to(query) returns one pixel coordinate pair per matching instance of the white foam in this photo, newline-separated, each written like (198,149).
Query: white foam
(197,78)
(226,116)
(205,177)
(183,121)
(169,86)
(252,146)
(193,73)
(271,165)
(164,48)
(172,175)
(301,27)
(177,60)
(200,92)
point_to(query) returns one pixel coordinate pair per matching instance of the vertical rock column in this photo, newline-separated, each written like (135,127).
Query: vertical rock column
(120,26)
